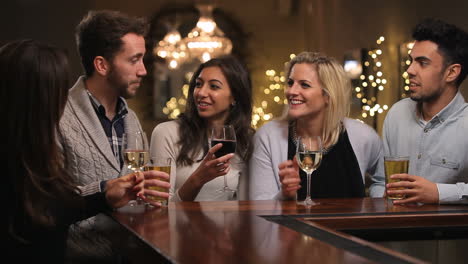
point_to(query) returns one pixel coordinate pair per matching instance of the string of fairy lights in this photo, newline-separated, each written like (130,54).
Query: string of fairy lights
(272,98)
(405,50)
(372,78)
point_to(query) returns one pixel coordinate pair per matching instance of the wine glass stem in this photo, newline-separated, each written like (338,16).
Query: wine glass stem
(308,185)
(225,182)
(139,200)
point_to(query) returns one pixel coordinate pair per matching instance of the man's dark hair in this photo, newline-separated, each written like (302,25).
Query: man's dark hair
(452,42)
(99,34)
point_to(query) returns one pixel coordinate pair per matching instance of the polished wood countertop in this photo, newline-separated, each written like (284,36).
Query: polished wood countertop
(276,231)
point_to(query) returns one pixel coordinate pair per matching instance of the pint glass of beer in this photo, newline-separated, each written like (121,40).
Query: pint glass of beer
(395,165)
(163,165)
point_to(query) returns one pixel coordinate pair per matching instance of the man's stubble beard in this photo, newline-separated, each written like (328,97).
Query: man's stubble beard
(120,86)
(433,96)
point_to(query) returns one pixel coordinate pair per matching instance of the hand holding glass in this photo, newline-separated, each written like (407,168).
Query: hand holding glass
(309,155)
(164,165)
(225,135)
(395,165)
(135,152)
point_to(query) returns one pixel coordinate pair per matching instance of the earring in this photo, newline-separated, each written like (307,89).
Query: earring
(233,104)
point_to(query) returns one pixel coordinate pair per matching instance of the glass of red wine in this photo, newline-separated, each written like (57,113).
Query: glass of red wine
(225,135)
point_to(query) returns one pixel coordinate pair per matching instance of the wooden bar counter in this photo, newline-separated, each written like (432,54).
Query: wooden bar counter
(280,231)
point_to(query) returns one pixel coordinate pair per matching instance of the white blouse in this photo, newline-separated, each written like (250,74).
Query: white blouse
(164,145)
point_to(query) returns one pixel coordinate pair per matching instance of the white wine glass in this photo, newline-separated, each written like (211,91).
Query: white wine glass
(135,153)
(225,135)
(309,155)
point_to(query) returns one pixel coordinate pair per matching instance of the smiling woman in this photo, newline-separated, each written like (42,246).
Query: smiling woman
(304,92)
(219,93)
(212,95)
(318,94)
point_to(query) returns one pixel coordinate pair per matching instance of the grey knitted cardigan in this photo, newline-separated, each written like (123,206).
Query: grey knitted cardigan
(89,159)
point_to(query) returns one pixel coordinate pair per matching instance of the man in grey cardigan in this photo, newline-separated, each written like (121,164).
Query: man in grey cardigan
(111,46)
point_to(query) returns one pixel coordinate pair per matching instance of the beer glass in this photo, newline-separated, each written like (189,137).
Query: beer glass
(395,165)
(164,165)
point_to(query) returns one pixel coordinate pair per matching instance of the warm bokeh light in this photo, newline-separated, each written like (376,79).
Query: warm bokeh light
(371,80)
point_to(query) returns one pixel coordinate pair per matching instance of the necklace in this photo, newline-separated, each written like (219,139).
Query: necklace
(294,138)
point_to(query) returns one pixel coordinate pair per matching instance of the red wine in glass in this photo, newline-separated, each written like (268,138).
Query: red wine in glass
(227,136)
(229,146)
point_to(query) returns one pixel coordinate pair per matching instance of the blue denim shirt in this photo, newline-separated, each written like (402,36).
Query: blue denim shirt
(438,148)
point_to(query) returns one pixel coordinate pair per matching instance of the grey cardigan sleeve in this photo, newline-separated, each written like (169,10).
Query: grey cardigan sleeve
(263,166)
(368,148)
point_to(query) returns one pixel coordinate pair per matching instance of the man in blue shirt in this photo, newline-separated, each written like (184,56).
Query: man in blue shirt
(430,126)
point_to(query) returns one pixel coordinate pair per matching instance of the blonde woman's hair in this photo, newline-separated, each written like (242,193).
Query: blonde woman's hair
(335,84)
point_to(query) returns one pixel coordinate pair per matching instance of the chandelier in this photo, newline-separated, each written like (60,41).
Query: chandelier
(172,48)
(205,41)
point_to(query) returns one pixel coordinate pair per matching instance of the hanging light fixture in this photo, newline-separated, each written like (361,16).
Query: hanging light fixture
(172,48)
(206,40)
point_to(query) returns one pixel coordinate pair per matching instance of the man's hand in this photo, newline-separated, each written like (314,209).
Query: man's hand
(153,179)
(417,189)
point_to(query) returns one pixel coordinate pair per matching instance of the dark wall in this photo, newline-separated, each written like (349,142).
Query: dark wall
(276,27)
(50,21)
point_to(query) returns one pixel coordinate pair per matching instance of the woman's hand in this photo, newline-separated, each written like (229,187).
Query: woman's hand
(209,169)
(212,167)
(289,178)
(121,190)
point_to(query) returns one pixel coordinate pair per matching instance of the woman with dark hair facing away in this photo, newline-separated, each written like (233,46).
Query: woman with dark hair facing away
(41,198)
(319,95)
(219,93)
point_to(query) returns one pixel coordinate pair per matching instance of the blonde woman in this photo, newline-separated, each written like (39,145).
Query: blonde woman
(318,94)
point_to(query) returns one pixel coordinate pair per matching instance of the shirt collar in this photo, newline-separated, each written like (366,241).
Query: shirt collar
(454,106)
(121,105)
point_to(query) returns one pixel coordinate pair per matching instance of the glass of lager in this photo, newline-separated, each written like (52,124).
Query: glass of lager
(395,165)
(164,165)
